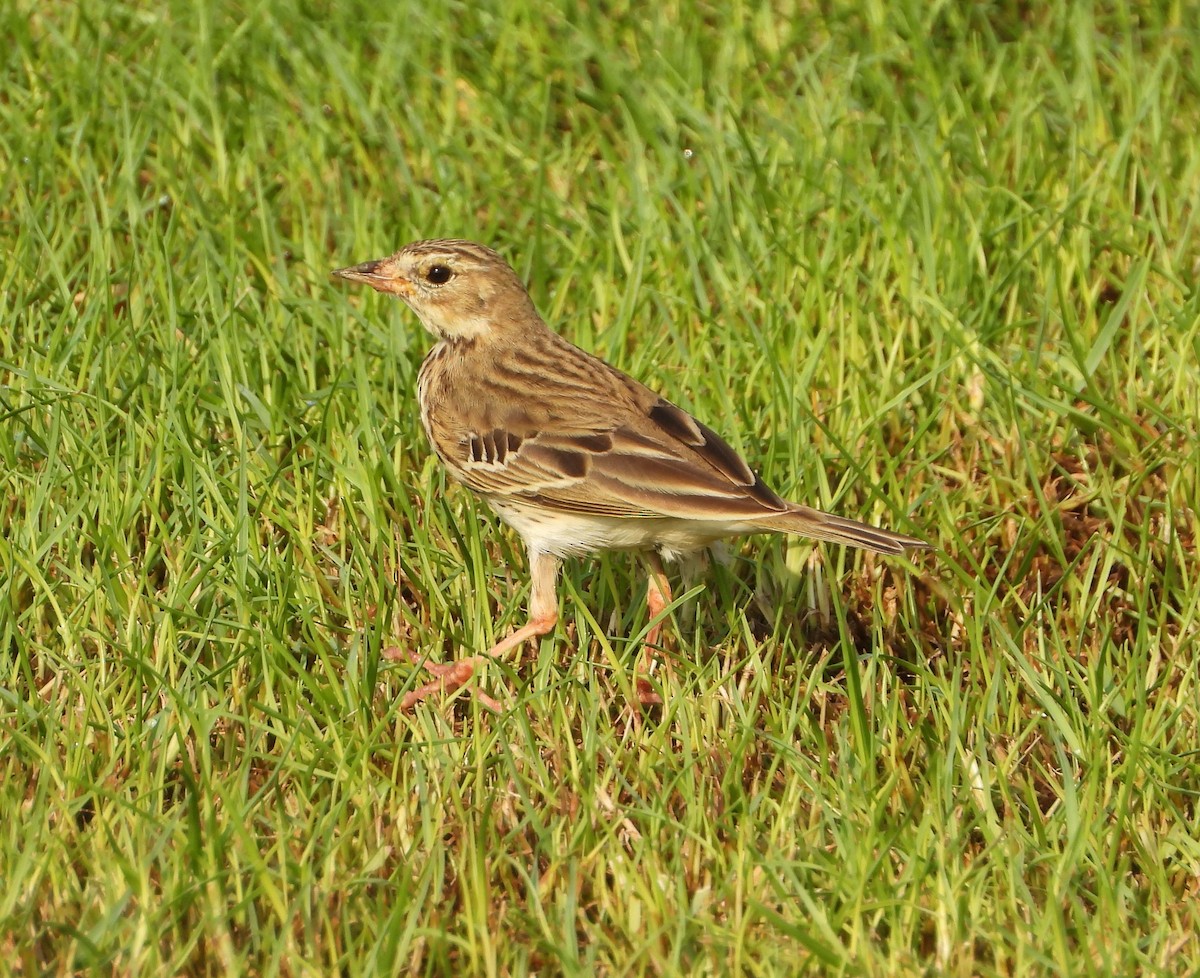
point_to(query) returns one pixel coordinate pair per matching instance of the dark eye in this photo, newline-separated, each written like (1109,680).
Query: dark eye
(438,274)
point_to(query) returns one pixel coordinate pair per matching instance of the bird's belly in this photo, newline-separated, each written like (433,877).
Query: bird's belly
(572,534)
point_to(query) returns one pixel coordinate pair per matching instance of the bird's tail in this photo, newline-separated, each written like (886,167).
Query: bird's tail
(834,529)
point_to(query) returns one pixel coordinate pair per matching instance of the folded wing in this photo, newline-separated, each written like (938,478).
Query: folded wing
(660,462)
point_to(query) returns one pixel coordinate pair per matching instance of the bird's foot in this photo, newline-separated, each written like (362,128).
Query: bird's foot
(646,693)
(643,683)
(451,676)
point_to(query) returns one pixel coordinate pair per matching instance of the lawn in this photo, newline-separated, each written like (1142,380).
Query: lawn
(925,265)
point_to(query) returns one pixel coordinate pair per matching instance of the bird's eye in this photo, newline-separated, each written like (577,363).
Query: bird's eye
(438,274)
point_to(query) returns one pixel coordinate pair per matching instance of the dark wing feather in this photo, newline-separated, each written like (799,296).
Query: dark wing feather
(667,465)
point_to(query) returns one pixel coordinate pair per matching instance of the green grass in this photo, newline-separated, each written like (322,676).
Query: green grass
(931,268)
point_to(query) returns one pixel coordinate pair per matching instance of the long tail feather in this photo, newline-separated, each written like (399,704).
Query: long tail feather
(834,529)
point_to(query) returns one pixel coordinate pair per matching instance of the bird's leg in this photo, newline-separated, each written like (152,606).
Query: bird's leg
(543,615)
(658,596)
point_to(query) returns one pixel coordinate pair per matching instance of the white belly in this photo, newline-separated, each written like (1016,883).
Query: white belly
(572,534)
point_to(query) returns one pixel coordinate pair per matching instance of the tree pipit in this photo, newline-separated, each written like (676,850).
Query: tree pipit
(574,455)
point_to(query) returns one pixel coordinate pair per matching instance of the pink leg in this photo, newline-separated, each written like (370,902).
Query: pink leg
(658,596)
(543,615)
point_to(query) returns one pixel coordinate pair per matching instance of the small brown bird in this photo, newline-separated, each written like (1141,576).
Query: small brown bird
(571,453)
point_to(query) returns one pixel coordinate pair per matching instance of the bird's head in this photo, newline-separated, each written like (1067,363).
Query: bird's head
(459,290)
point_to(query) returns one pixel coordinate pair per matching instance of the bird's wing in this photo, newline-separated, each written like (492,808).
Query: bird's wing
(656,460)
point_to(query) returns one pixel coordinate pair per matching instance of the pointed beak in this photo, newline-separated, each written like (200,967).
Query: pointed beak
(378,274)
